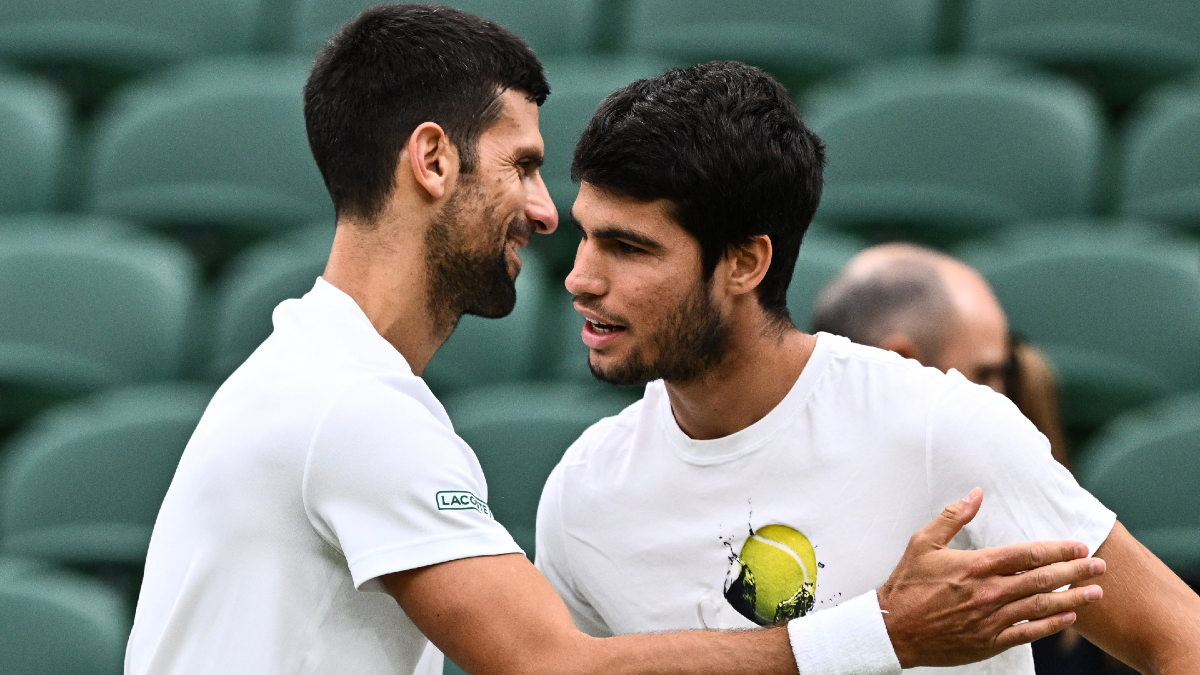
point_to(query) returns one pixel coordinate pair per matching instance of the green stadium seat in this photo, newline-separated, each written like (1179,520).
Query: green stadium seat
(1145,466)
(578,86)
(87,308)
(822,256)
(34,129)
(84,481)
(212,143)
(56,622)
(256,282)
(1116,309)
(519,432)
(1121,46)
(955,150)
(124,33)
(1160,177)
(810,36)
(551,27)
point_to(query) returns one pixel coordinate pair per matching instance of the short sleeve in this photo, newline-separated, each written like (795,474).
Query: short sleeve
(976,437)
(393,488)
(552,559)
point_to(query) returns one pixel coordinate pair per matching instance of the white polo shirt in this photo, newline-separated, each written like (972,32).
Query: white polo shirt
(644,529)
(320,465)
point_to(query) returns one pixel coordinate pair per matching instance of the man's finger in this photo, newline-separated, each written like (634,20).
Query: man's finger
(1031,555)
(951,520)
(1034,630)
(1043,605)
(1046,579)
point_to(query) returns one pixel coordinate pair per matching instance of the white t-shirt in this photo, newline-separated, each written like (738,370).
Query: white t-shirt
(320,465)
(642,529)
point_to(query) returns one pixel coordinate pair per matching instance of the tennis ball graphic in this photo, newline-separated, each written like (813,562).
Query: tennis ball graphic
(774,578)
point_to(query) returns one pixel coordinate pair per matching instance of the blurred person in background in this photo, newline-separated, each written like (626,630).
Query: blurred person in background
(927,306)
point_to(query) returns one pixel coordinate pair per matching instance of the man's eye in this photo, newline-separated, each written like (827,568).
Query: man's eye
(629,248)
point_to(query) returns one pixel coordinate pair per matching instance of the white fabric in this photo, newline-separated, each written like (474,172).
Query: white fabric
(850,639)
(320,465)
(638,523)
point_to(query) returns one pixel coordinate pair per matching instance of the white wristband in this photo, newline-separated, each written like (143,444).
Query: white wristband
(850,639)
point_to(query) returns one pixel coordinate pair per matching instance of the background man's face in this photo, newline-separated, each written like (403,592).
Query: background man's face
(977,343)
(491,214)
(637,283)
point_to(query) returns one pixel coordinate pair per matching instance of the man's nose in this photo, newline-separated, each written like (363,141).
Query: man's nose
(539,208)
(583,279)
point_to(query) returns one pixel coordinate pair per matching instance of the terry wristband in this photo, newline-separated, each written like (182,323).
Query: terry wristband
(850,639)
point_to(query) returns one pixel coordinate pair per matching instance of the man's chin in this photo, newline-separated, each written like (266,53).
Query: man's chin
(620,374)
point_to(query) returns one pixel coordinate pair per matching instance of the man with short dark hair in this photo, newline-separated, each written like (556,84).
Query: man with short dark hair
(768,474)
(325,518)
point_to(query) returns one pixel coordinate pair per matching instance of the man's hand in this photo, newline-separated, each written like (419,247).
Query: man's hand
(945,607)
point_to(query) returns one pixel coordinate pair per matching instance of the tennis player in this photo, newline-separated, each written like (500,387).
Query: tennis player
(325,518)
(768,474)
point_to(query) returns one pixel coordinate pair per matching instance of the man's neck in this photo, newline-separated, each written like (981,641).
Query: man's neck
(758,372)
(389,282)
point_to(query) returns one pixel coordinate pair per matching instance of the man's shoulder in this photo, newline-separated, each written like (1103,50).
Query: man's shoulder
(864,359)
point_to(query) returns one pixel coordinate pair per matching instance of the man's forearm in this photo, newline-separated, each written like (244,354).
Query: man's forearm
(767,651)
(1149,618)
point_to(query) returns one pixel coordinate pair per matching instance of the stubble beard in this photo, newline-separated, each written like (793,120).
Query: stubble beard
(462,279)
(689,346)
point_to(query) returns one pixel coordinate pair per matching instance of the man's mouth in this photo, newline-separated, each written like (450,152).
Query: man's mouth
(603,328)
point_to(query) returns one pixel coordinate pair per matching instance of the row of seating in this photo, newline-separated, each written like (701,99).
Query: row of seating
(1153,34)
(83,484)
(1116,306)
(956,149)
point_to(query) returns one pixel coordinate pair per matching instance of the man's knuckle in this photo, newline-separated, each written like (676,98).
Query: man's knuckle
(1037,555)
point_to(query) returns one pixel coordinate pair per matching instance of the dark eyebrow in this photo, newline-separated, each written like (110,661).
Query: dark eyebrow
(530,155)
(615,232)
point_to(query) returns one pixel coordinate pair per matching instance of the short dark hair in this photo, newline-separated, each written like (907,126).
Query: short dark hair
(395,67)
(724,144)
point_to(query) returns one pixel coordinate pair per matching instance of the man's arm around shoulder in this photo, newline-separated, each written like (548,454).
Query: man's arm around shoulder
(498,615)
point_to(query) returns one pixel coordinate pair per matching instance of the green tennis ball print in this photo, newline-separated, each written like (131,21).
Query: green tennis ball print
(774,578)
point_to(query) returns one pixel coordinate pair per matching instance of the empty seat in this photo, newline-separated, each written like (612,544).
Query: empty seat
(216,143)
(1117,310)
(85,480)
(519,432)
(551,27)
(813,36)
(34,127)
(1122,46)
(57,622)
(256,282)
(87,308)
(124,33)
(1145,466)
(578,87)
(822,256)
(952,150)
(1160,173)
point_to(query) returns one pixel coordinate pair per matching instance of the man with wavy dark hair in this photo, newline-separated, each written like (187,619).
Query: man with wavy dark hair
(768,474)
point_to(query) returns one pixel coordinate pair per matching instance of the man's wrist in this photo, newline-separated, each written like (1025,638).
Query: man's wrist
(850,639)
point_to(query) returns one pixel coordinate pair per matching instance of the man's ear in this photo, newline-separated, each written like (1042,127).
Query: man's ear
(748,264)
(902,345)
(432,158)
